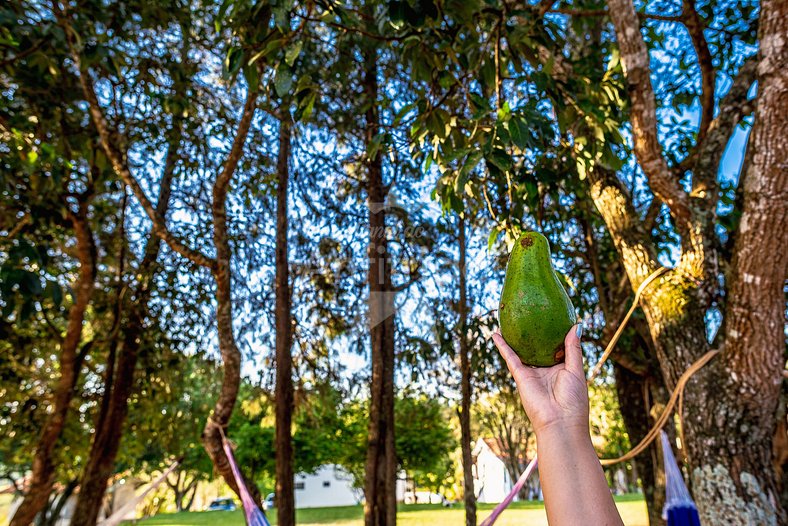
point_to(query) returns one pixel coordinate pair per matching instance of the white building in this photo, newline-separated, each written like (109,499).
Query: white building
(329,486)
(492,481)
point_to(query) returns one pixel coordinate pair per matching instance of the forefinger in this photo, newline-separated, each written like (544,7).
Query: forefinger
(510,357)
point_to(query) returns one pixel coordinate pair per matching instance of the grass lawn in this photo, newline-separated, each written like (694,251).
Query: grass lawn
(5,503)
(631,507)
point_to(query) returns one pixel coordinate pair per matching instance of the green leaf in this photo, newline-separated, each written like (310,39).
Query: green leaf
(292,52)
(492,238)
(518,130)
(30,284)
(272,46)
(403,112)
(307,106)
(471,162)
(500,159)
(480,102)
(252,76)
(54,291)
(283,81)
(233,62)
(374,145)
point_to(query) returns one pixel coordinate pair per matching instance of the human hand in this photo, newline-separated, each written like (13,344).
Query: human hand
(551,396)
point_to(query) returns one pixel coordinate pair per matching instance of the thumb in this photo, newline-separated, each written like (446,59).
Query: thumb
(574,353)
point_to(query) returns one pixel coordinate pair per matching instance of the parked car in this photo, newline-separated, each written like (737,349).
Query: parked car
(222,504)
(268,503)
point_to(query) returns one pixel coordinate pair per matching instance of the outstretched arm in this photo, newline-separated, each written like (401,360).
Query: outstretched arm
(556,401)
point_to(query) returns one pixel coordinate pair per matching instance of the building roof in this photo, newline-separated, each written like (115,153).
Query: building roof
(496,446)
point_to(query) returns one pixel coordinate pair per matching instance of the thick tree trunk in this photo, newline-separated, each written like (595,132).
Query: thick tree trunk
(120,379)
(635,368)
(749,370)
(465,387)
(43,472)
(380,508)
(728,435)
(285,498)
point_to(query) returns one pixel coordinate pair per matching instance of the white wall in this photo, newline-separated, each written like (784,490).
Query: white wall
(311,490)
(492,480)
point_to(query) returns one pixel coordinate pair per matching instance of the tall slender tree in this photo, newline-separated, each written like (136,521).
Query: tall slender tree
(283,394)
(120,372)
(43,471)
(469,492)
(379,489)
(218,265)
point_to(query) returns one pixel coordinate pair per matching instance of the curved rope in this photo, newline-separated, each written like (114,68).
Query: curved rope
(668,411)
(621,326)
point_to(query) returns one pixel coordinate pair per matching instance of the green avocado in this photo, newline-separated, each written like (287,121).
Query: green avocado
(535,312)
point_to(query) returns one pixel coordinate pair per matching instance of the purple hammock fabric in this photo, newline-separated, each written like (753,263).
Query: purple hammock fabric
(679,508)
(254,515)
(489,521)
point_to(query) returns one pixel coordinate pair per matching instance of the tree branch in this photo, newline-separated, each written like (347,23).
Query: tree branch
(695,27)
(632,242)
(113,153)
(652,213)
(635,59)
(575,11)
(733,108)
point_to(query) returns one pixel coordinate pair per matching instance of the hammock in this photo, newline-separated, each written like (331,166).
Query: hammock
(679,508)
(252,512)
(489,521)
(118,517)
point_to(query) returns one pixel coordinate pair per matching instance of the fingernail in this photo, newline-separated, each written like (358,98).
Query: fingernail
(579,331)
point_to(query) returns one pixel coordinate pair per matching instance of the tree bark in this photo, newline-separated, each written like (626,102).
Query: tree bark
(643,115)
(632,389)
(380,508)
(285,498)
(635,368)
(728,435)
(222,272)
(469,493)
(43,472)
(120,379)
(219,266)
(750,369)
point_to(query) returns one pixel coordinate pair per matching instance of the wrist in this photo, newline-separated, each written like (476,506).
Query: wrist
(570,432)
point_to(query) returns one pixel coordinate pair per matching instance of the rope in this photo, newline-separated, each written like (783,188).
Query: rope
(621,326)
(677,393)
(663,418)
(217,425)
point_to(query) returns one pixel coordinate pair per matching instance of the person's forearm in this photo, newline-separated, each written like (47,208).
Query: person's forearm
(574,486)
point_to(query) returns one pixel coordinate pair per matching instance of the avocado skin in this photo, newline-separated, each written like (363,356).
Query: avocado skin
(535,312)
